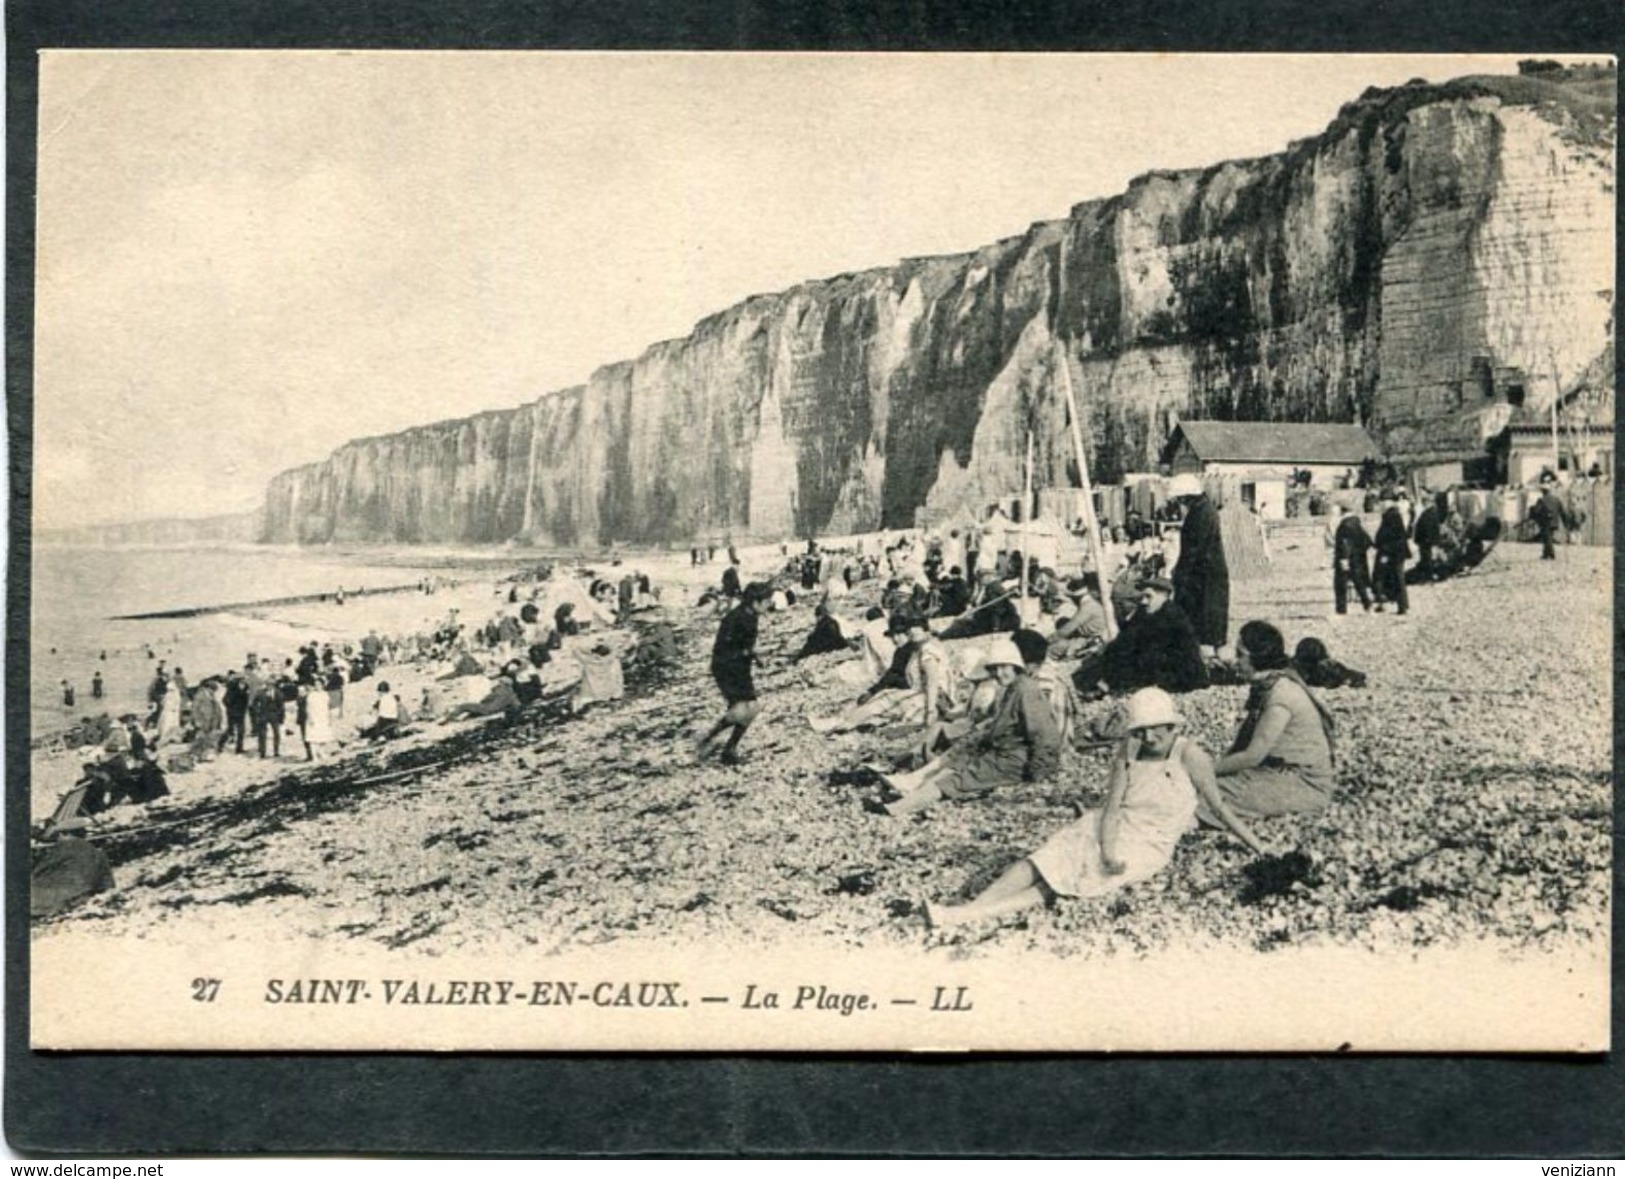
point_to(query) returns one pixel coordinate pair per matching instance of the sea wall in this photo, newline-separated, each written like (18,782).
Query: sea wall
(1374,274)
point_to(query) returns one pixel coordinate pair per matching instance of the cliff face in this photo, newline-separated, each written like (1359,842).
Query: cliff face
(1438,250)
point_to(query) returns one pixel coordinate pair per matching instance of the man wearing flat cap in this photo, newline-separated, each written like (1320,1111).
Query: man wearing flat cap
(1157,647)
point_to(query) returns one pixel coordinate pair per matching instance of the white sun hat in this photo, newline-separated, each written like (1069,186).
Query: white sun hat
(1003,650)
(1186,484)
(1150,707)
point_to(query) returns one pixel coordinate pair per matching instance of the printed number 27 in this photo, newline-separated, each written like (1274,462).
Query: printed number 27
(205,989)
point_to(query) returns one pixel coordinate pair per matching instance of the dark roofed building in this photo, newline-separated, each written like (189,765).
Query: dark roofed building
(1264,457)
(1199,447)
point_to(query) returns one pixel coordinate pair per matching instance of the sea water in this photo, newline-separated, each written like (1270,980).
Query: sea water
(78,594)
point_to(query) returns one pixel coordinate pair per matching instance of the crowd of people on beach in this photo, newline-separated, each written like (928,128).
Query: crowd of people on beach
(562,638)
(993,679)
(992,664)
(1443,544)
(999,709)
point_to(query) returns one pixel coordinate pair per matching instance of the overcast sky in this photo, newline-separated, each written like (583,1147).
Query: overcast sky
(246,259)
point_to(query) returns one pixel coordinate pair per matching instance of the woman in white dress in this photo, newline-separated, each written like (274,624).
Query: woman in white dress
(1156,779)
(318,731)
(169,714)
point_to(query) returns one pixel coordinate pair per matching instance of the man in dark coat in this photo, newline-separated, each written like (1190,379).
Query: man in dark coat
(1426,535)
(1157,647)
(1550,513)
(1393,550)
(955,593)
(267,710)
(1350,562)
(1201,577)
(994,613)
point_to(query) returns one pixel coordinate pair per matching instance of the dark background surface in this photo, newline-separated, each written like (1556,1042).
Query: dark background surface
(146,1104)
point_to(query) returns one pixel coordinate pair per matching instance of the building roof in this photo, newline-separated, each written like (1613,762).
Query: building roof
(1275,442)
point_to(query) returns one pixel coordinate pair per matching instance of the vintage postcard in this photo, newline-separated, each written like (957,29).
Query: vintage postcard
(655,551)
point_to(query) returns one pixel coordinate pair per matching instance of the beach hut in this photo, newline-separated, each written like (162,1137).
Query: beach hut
(1043,538)
(996,532)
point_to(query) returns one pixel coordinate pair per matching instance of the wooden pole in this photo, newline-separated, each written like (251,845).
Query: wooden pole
(1026,526)
(1097,550)
(1557,395)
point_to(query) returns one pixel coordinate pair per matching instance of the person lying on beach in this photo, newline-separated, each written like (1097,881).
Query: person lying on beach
(1156,780)
(1315,665)
(915,689)
(1020,743)
(500,698)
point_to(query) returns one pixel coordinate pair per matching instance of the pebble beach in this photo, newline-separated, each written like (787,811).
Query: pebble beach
(1474,807)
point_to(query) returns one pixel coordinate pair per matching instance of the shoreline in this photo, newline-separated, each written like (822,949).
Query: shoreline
(292,600)
(476,588)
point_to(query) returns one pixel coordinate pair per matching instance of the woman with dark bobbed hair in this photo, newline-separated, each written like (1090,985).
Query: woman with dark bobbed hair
(1281,760)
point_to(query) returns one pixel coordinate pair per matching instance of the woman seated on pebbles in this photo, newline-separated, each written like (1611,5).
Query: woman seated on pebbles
(919,691)
(1281,760)
(959,722)
(1156,779)
(1019,743)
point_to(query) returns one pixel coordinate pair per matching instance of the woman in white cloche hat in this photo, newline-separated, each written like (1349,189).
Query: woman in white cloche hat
(1157,776)
(1018,743)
